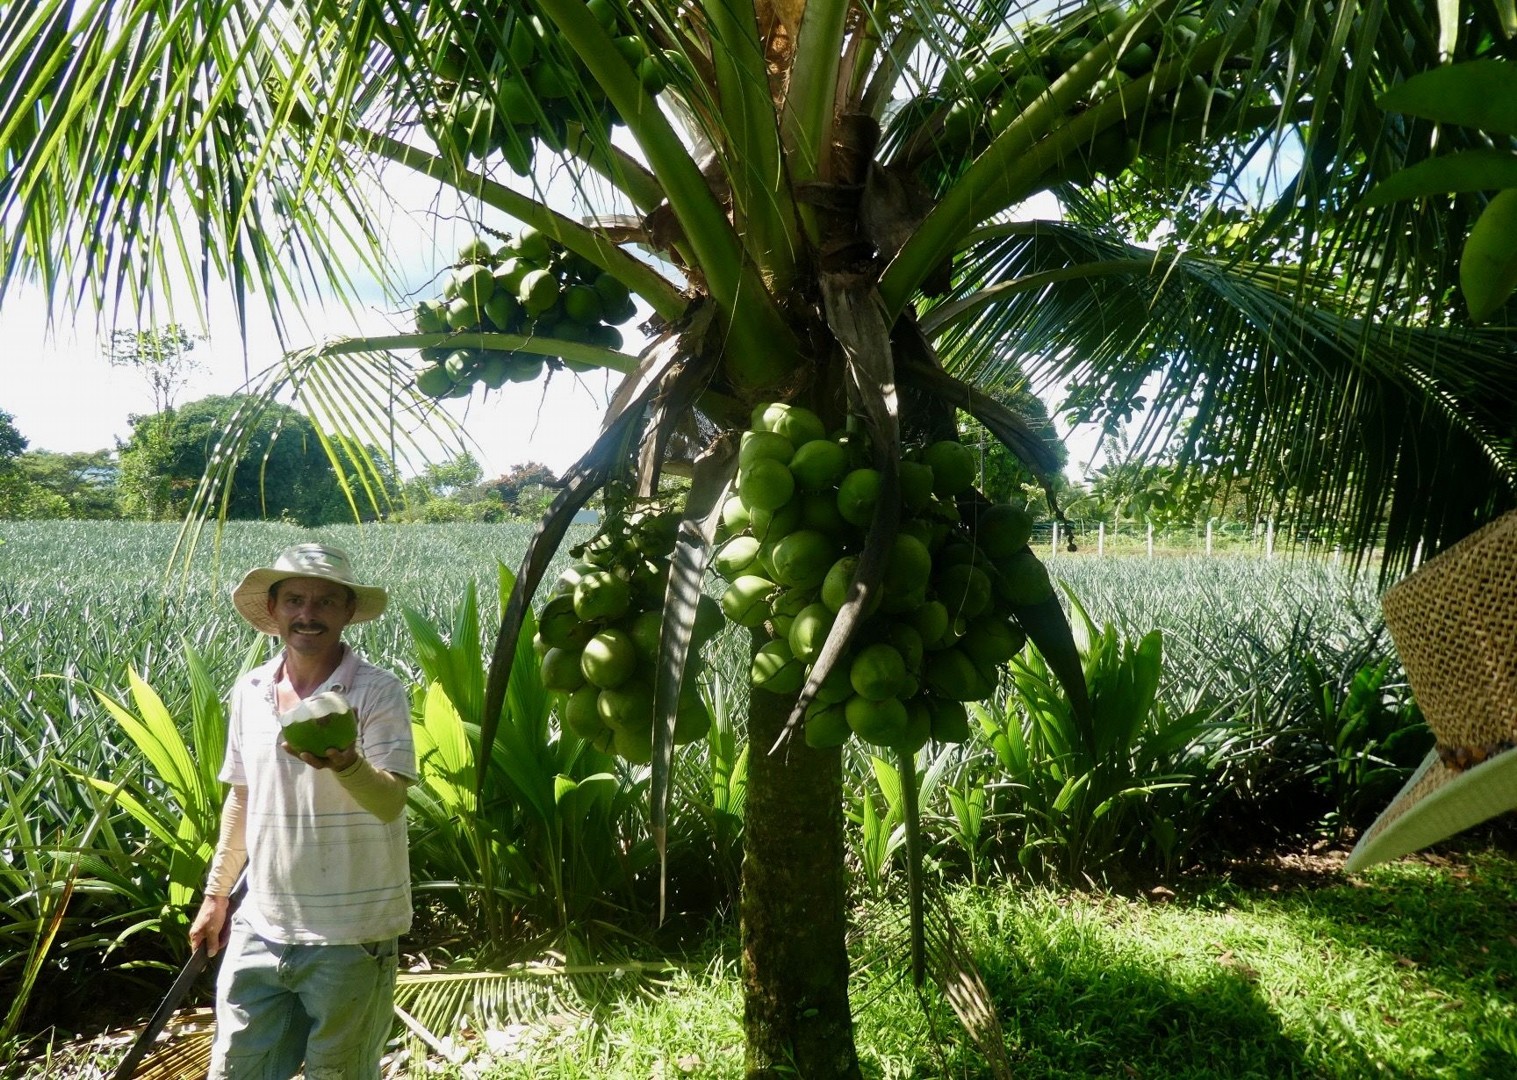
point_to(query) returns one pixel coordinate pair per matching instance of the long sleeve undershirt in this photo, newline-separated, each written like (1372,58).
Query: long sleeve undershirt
(231,845)
(378,791)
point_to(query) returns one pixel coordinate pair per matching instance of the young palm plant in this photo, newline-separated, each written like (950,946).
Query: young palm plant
(536,853)
(1089,796)
(825,205)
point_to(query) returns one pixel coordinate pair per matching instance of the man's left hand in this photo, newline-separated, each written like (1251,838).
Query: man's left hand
(336,759)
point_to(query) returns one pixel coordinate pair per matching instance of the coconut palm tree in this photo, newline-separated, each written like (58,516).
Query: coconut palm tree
(843,207)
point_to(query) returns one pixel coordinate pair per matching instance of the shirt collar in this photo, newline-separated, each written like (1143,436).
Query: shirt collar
(341,679)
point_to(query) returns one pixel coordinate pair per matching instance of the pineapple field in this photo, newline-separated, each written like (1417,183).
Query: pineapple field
(1274,714)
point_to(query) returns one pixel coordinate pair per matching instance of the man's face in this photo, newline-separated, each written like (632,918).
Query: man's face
(311,613)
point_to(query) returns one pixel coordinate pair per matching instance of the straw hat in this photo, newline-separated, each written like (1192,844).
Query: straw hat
(1454,622)
(251,596)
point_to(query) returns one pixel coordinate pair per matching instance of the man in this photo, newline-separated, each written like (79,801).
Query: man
(308,973)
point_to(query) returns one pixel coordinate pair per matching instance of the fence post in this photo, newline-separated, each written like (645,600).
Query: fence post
(1269,539)
(1054,549)
(1150,539)
(1101,539)
(1208,535)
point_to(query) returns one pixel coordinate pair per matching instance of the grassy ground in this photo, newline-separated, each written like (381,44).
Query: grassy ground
(1289,969)
(1284,967)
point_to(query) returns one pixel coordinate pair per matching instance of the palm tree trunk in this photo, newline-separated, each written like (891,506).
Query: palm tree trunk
(795,960)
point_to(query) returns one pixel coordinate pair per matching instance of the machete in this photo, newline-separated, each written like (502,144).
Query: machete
(186,979)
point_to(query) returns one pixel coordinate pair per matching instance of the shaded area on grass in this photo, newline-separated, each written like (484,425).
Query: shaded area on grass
(1407,972)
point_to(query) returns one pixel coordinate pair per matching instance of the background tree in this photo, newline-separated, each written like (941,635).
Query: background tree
(450,490)
(837,199)
(527,490)
(453,490)
(162,356)
(445,479)
(86,482)
(20,498)
(282,470)
(12,443)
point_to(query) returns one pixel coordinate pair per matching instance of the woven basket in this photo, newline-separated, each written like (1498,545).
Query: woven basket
(1454,623)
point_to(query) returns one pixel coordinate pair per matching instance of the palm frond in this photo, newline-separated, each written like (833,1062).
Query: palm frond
(711,480)
(881,938)
(140,116)
(447,1001)
(1255,367)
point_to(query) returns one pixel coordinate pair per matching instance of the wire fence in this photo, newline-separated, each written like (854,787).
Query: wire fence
(1145,539)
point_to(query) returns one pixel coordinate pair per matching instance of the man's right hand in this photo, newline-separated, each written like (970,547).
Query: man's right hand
(208,924)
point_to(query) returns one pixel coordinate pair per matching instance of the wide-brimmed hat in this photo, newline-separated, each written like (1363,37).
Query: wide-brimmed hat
(251,596)
(1454,622)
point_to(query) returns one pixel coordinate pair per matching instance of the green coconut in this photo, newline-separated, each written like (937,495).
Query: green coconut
(601,594)
(826,725)
(561,670)
(877,671)
(883,723)
(626,707)
(746,601)
(776,669)
(1002,530)
(858,492)
(951,674)
(319,723)
(802,558)
(609,658)
(766,484)
(950,720)
(964,589)
(809,629)
(818,465)
(764,444)
(560,626)
(580,713)
(953,467)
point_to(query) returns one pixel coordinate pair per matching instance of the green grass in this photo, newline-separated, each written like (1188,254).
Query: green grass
(1405,972)
(1342,980)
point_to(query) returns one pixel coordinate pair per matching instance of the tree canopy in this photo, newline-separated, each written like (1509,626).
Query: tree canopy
(12,442)
(281,468)
(20,496)
(84,482)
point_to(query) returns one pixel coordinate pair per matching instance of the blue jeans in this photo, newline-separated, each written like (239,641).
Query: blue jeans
(329,1006)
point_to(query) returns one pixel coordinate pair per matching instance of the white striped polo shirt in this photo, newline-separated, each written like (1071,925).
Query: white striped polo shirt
(321,868)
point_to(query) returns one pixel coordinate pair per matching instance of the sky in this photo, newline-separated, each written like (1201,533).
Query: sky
(65,397)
